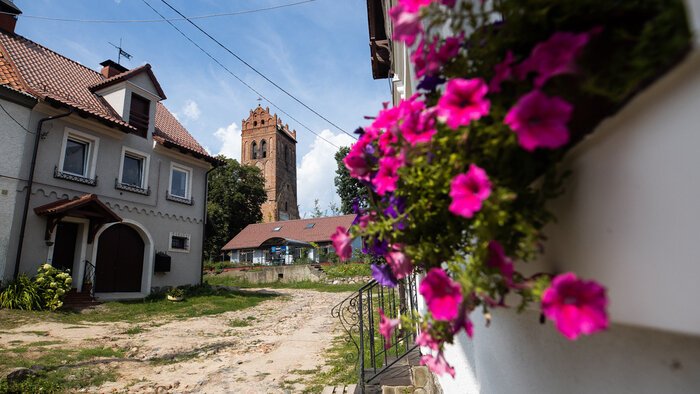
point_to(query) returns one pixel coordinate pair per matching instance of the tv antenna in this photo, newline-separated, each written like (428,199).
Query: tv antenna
(259,100)
(122,52)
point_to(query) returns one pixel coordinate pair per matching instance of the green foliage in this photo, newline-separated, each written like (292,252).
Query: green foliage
(348,188)
(347,270)
(176,292)
(235,195)
(306,284)
(21,293)
(43,291)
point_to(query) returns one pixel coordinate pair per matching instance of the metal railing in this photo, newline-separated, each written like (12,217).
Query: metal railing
(359,317)
(89,278)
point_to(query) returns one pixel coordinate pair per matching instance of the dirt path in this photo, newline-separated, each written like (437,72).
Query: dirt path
(249,351)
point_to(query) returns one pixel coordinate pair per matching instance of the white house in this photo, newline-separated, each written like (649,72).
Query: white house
(628,220)
(96,174)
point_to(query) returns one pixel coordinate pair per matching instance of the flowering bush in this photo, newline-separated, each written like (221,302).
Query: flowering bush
(53,284)
(460,173)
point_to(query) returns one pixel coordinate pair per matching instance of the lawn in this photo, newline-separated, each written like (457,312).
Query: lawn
(57,370)
(199,301)
(223,280)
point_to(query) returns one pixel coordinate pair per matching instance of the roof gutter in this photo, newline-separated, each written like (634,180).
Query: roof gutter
(30,183)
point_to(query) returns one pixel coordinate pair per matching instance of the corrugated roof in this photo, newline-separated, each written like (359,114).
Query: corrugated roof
(255,234)
(29,67)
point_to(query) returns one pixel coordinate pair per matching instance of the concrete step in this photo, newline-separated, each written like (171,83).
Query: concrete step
(340,389)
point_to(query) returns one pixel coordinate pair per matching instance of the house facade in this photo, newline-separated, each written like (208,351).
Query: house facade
(285,242)
(628,221)
(97,175)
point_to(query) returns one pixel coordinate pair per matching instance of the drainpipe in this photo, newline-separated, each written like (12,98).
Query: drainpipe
(204,222)
(30,182)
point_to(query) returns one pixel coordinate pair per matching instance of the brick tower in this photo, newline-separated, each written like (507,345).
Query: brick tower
(271,146)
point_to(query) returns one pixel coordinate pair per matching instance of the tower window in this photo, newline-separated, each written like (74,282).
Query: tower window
(253,150)
(255,123)
(262,122)
(285,207)
(263,148)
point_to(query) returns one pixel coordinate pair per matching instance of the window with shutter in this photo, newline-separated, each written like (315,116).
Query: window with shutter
(139,114)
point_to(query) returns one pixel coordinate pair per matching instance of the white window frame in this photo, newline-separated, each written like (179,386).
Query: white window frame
(187,242)
(188,187)
(146,163)
(93,143)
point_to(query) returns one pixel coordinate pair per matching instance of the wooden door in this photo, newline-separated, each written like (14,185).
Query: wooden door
(119,264)
(64,246)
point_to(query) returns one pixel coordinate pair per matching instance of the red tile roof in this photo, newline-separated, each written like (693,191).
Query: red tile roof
(88,200)
(255,234)
(29,67)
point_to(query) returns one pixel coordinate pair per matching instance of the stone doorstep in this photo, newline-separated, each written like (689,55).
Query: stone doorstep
(422,380)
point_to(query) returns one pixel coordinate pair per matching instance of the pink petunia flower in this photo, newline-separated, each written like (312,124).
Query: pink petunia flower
(575,306)
(415,5)
(400,263)
(386,178)
(502,71)
(424,339)
(418,125)
(437,364)
(463,101)
(428,60)
(554,56)
(357,165)
(498,259)
(468,191)
(407,24)
(442,295)
(363,221)
(342,243)
(540,121)
(387,327)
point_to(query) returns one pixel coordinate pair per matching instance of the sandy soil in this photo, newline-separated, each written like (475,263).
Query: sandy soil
(210,354)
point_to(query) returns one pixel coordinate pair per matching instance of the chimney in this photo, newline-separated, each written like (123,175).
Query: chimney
(111,68)
(8,17)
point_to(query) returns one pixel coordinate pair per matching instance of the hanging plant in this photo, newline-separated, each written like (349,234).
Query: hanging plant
(459,174)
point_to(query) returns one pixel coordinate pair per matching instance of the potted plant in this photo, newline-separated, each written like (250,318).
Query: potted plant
(176,294)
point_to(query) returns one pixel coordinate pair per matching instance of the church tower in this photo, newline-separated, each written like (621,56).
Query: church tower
(271,146)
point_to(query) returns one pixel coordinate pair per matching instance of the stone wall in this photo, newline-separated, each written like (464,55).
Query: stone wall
(283,273)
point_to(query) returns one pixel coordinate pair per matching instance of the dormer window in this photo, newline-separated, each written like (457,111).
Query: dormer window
(139,114)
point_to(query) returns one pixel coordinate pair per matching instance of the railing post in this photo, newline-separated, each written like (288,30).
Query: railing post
(361,355)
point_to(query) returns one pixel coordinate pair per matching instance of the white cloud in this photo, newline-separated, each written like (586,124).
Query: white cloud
(191,110)
(230,137)
(315,176)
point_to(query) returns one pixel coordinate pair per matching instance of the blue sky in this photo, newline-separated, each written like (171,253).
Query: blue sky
(318,51)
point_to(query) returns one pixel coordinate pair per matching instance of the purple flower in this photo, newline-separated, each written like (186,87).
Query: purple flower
(383,275)
(430,82)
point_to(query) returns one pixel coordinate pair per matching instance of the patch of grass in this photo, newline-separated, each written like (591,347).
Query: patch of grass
(74,327)
(199,301)
(39,333)
(348,270)
(134,331)
(306,285)
(62,370)
(239,323)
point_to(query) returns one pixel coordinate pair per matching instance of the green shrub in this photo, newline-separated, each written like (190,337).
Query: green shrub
(53,284)
(347,270)
(21,293)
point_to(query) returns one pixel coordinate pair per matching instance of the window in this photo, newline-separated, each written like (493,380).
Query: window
(133,171)
(179,242)
(180,182)
(310,225)
(78,154)
(277,229)
(139,113)
(253,150)
(263,148)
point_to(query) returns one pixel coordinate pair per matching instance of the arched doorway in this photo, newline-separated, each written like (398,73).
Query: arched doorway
(119,264)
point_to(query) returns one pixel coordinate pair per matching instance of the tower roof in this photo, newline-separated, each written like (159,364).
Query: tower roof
(260,118)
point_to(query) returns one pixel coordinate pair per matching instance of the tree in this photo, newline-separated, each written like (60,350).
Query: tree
(348,188)
(236,193)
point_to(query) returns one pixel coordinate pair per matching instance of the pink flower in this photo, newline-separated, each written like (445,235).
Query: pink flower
(575,306)
(418,125)
(442,294)
(553,57)
(414,5)
(499,260)
(357,165)
(463,101)
(342,243)
(363,221)
(437,364)
(503,71)
(387,326)
(407,24)
(386,178)
(424,339)
(540,121)
(468,191)
(429,62)
(400,263)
